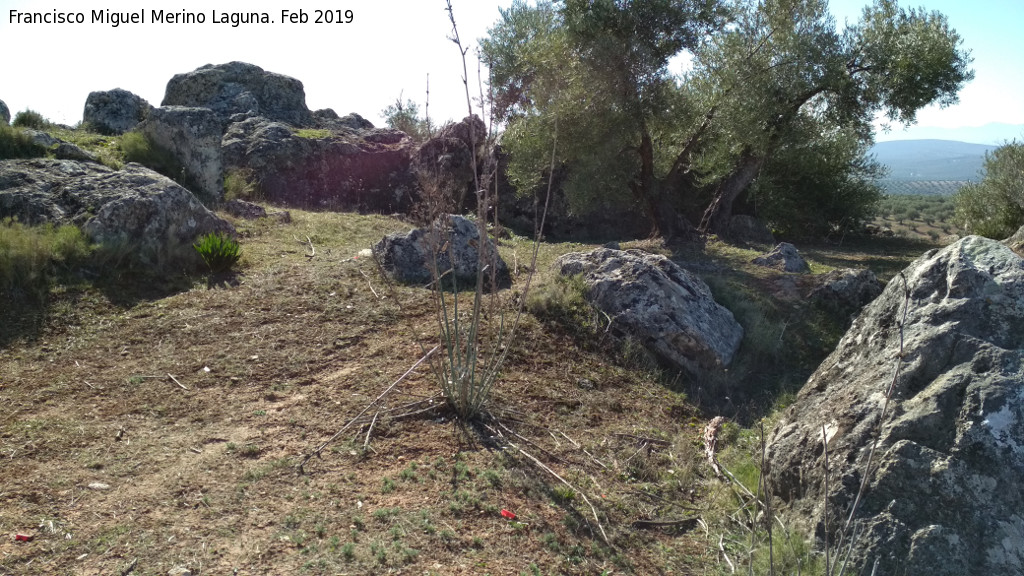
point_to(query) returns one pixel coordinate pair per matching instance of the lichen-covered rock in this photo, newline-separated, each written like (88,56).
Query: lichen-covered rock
(240,88)
(345,169)
(669,310)
(5,113)
(784,257)
(455,241)
(846,290)
(114,111)
(134,207)
(946,495)
(193,137)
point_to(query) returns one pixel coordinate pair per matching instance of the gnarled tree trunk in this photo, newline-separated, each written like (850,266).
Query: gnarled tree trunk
(716,217)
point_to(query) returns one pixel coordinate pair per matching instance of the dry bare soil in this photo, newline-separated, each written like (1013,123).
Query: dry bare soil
(149,425)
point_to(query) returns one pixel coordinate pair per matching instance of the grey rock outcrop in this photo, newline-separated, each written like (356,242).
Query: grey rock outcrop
(134,207)
(454,240)
(444,164)
(846,290)
(114,111)
(350,169)
(666,308)
(240,88)
(946,494)
(745,228)
(193,137)
(784,257)
(5,113)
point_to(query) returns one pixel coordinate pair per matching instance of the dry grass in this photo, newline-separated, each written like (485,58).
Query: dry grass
(273,361)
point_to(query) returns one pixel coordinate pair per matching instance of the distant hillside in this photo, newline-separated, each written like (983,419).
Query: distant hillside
(930,166)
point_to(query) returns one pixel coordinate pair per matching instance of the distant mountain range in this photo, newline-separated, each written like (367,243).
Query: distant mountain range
(930,166)
(994,133)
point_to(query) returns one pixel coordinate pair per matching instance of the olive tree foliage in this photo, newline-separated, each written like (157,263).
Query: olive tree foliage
(770,80)
(405,116)
(994,207)
(598,69)
(821,184)
(785,65)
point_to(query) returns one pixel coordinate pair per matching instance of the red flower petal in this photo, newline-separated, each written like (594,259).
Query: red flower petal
(507,514)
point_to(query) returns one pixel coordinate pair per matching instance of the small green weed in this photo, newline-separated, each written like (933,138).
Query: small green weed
(219,251)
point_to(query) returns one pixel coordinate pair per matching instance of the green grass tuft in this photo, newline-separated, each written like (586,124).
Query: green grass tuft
(219,251)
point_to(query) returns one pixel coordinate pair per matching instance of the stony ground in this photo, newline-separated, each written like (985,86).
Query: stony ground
(146,427)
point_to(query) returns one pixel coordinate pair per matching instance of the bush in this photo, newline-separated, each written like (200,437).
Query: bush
(239,184)
(219,251)
(30,255)
(15,144)
(994,207)
(30,119)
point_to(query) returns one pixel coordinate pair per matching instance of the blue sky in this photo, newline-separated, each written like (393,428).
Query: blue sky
(389,49)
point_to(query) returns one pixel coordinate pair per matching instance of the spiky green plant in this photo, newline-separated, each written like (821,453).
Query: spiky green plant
(219,250)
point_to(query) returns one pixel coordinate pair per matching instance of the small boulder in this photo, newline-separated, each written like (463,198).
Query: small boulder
(193,137)
(454,240)
(745,228)
(784,257)
(5,113)
(945,494)
(666,308)
(40,138)
(846,290)
(115,111)
(245,210)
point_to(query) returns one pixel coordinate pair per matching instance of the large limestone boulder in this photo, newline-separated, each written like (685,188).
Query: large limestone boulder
(115,111)
(134,207)
(784,257)
(240,88)
(666,308)
(341,168)
(453,241)
(5,113)
(193,137)
(945,495)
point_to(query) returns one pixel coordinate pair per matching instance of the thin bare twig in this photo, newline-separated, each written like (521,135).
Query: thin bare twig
(180,385)
(721,548)
(369,430)
(319,449)
(365,275)
(566,482)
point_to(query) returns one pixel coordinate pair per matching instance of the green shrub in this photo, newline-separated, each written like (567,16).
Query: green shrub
(15,144)
(994,207)
(30,119)
(239,184)
(219,251)
(564,302)
(30,255)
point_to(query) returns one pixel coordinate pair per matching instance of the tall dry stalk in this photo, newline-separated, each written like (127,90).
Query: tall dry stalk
(475,343)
